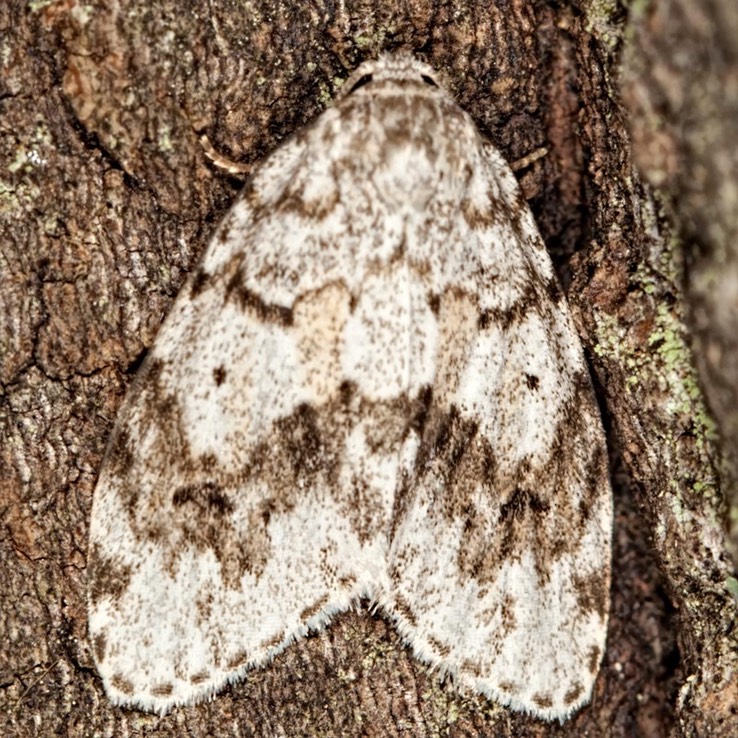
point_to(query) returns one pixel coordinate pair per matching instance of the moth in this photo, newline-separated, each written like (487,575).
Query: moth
(369,390)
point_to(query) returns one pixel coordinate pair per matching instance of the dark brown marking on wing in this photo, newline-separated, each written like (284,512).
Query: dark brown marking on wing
(226,226)
(519,503)
(543,701)
(315,608)
(199,282)
(505,318)
(247,299)
(238,660)
(122,684)
(403,608)
(442,649)
(593,659)
(203,498)
(273,642)
(106,577)
(121,453)
(593,592)
(472,667)
(573,694)
(99,646)
(162,690)
(347,582)
(219,375)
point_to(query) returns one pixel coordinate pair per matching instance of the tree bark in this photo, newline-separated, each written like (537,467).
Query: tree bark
(106,201)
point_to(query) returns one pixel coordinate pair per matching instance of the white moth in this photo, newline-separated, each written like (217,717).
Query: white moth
(370,388)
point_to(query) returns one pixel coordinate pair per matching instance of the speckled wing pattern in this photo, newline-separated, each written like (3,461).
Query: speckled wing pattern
(370,388)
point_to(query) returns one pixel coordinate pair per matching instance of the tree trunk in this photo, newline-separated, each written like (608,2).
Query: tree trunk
(107,199)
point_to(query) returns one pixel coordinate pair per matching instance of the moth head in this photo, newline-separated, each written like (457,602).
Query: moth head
(397,68)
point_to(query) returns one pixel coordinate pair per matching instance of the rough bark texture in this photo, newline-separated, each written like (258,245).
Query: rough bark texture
(106,201)
(680,84)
